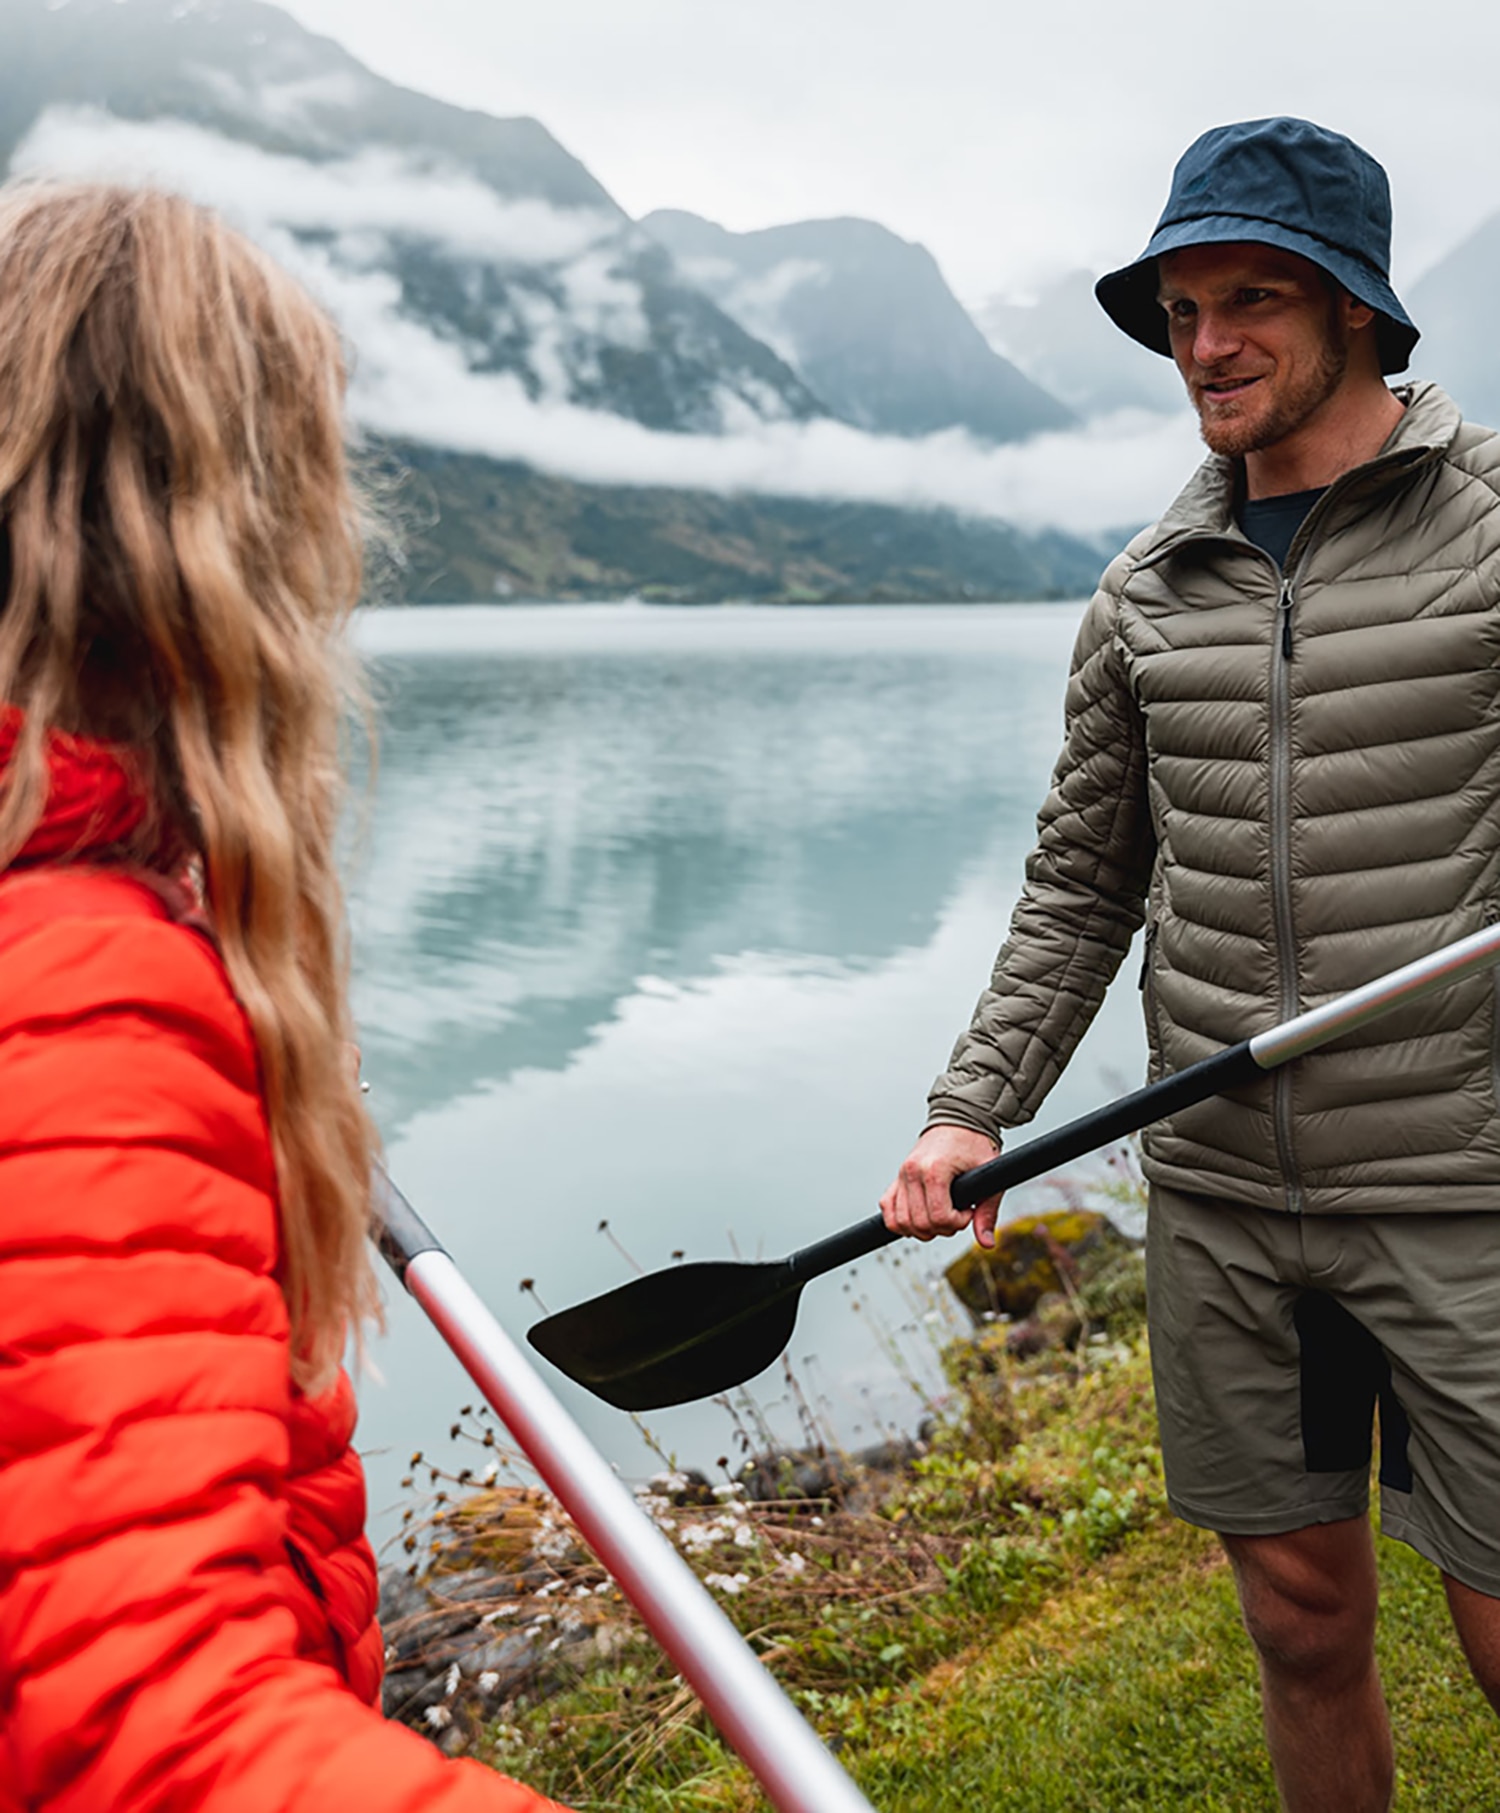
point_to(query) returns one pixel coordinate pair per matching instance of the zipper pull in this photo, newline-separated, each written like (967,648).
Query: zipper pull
(1284,608)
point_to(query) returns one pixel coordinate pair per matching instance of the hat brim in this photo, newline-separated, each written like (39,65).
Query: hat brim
(1129,295)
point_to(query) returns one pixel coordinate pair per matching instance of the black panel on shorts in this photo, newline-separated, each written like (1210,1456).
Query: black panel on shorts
(1344,1374)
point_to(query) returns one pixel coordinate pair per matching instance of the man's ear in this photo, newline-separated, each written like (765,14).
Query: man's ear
(1356,314)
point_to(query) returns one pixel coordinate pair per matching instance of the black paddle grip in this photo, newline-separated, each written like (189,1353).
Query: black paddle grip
(1230,1069)
(399,1231)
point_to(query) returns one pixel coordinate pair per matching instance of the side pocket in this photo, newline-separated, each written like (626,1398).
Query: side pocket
(1147,986)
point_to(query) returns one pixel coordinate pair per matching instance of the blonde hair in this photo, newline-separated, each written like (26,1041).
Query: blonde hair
(183,550)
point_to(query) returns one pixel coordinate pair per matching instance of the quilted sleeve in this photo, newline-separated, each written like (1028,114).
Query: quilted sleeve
(1086,880)
(148,1649)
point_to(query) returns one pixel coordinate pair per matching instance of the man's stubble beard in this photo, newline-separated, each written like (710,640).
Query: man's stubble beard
(1235,436)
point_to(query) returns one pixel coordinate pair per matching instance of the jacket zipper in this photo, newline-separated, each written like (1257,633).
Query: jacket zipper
(1281,878)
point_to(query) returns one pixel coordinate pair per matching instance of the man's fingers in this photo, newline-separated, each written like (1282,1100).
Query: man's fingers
(985,1217)
(942,1217)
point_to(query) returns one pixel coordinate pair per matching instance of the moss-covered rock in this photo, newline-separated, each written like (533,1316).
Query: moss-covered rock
(1062,1250)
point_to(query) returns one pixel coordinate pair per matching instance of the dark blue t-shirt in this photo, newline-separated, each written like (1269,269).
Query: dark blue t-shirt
(1272,522)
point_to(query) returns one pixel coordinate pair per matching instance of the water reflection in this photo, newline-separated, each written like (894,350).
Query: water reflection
(669,918)
(555,821)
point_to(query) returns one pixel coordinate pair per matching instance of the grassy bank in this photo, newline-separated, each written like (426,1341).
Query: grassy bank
(1012,1622)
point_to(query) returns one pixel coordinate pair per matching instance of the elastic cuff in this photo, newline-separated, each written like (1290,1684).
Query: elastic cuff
(958,1117)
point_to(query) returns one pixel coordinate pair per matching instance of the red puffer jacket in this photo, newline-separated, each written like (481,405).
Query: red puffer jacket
(186,1595)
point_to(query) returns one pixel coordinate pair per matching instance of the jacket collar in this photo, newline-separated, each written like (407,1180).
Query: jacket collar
(1204,508)
(95,798)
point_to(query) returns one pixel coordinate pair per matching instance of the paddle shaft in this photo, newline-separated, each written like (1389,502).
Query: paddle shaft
(1225,1070)
(785,1754)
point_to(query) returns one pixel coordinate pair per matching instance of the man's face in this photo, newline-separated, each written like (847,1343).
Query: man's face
(1260,336)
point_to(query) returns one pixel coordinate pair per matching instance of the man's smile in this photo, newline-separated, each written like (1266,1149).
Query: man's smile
(1224,390)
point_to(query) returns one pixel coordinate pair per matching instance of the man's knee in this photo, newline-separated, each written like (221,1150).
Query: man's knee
(1308,1599)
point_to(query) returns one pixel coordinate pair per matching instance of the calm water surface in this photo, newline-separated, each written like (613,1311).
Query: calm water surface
(668,918)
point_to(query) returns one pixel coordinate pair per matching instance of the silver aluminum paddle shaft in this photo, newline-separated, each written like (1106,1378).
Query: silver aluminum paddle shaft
(1466,957)
(785,1754)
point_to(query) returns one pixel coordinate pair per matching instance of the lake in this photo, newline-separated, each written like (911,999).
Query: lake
(667,918)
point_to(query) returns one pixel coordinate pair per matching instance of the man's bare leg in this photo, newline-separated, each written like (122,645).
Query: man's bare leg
(1308,1599)
(1476,1617)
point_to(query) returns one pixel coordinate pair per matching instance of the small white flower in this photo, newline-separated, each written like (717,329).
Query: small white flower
(438,1717)
(488,1681)
(451,1681)
(794,1564)
(745,1537)
(728,1584)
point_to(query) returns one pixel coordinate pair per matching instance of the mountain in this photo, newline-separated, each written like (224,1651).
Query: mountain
(485,231)
(1451,305)
(487,529)
(496,297)
(1065,342)
(866,319)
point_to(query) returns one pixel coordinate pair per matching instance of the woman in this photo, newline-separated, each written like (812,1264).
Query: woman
(186,1595)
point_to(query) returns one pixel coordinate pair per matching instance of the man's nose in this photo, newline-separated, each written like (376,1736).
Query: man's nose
(1215,337)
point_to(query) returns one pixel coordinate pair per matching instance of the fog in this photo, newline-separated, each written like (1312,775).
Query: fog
(410,381)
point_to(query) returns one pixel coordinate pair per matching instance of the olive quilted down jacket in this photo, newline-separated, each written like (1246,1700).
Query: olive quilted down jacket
(1293,779)
(186,1596)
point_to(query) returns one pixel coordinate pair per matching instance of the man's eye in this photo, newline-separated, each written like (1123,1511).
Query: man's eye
(1252,296)
(1181,309)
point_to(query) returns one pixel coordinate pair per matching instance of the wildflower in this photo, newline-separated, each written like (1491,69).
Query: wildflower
(745,1537)
(488,1681)
(728,1584)
(794,1564)
(438,1717)
(450,1681)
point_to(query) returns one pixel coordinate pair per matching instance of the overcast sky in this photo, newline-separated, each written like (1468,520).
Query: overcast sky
(1013,140)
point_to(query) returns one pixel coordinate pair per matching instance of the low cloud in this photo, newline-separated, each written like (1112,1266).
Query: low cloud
(376,191)
(409,382)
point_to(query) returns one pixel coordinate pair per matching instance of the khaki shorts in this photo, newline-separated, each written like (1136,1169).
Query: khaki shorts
(1275,1341)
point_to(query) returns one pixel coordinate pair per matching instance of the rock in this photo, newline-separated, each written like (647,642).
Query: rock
(505,1530)
(1053,1323)
(1032,1256)
(791,1474)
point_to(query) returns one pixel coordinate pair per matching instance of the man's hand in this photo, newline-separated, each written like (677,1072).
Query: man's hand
(918,1202)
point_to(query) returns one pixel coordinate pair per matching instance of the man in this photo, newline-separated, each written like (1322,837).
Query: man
(1283,755)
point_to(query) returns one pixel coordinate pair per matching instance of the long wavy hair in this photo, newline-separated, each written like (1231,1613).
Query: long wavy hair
(181,549)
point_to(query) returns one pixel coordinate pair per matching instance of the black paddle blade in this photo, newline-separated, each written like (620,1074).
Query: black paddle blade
(688,1332)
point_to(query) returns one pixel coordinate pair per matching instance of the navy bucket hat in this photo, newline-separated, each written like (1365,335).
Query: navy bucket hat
(1278,182)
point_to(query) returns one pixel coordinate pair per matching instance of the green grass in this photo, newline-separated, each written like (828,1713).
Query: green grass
(1020,1626)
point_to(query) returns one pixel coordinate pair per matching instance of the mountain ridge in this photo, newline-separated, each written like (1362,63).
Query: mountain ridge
(866,319)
